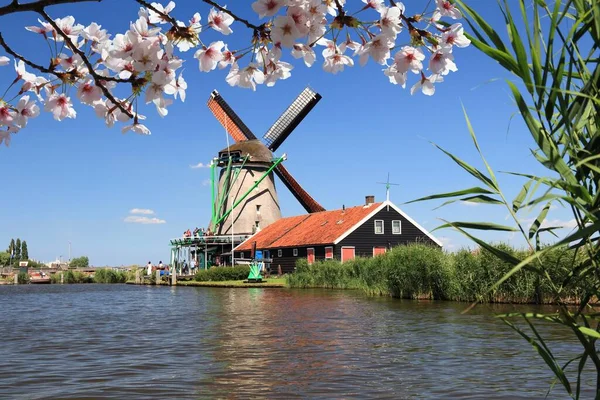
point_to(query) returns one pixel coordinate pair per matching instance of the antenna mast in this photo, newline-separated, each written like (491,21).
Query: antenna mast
(387,187)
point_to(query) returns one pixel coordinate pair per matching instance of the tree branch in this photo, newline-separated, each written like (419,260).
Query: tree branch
(97,78)
(15,7)
(171,20)
(20,57)
(235,17)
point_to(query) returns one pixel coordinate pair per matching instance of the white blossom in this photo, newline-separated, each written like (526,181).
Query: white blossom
(446,9)
(455,36)
(60,106)
(209,57)
(158,18)
(409,59)
(220,21)
(89,93)
(305,52)
(336,63)
(426,84)
(284,31)
(137,128)
(177,87)
(441,61)
(4,61)
(247,77)
(25,109)
(267,8)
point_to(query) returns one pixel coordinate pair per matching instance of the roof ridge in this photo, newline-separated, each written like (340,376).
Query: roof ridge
(291,229)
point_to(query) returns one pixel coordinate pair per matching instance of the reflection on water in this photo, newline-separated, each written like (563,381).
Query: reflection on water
(118,341)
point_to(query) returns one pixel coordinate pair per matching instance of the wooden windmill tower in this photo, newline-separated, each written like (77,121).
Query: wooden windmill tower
(246,199)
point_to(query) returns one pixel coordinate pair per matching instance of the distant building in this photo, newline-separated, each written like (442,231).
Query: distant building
(57,264)
(363,231)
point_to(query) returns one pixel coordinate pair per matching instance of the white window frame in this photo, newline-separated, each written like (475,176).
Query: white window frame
(279,253)
(399,227)
(295,252)
(329,258)
(342,252)
(382,227)
(242,254)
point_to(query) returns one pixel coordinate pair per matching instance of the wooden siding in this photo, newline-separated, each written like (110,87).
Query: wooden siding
(287,261)
(364,237)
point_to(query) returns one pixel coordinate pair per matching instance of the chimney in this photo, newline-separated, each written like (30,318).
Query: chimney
(369,200)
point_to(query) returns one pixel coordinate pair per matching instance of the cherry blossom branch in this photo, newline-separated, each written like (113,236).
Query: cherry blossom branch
(20,57)
(235,17)
(166,16)
(15,6)
(98,79)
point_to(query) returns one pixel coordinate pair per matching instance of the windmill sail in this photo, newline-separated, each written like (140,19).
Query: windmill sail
(291,117)
(228,118)
(309,204)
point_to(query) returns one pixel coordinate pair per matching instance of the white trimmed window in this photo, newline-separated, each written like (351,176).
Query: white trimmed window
(279,253)
(379,227)
(396,227)
(242,254)
(295,252)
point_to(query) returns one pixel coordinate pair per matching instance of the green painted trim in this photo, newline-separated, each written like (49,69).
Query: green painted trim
(212,192)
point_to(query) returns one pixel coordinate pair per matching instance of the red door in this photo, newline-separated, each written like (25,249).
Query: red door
(310,255)
(378,250)
(347,253)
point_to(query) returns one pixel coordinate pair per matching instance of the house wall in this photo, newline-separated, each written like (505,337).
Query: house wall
(287,261)
(364,237)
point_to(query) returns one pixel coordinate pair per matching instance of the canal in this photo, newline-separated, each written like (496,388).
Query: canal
(122,341)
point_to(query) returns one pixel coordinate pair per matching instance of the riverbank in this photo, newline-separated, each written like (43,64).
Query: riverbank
(424,272)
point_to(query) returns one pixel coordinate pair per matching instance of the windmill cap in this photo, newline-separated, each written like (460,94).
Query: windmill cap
(254,148)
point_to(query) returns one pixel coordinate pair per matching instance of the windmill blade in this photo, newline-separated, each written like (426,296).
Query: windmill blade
(228,118)
(289,120)
(309,204)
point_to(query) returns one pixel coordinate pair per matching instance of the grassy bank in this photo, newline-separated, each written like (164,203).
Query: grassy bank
(424,272)
(267,283)
(100,276)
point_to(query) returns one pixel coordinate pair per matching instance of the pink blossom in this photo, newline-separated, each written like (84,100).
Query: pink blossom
(89,93)
(409,58)
(137,128)
(158,18)
(60,106)
(177,87)
(25,109)
(390,21)
(426,84)
(284,31)
(247,77)
(267,8)
(455,36)
(441,62)
(6,114)
(378,48)
(336,63)
(447,9)
(305,52)
(4,61)
(220,21)
(208,57)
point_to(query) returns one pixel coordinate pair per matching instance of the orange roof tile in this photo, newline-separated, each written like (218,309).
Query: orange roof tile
(311,229)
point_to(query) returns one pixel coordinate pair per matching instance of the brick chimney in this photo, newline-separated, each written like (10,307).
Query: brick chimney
(369,200)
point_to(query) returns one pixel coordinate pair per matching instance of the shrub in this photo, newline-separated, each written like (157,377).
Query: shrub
(23,278)
(106,275)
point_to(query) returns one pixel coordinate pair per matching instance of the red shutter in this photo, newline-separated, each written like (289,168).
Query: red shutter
(378,250)
(328,252)
(310,255)
(347,253)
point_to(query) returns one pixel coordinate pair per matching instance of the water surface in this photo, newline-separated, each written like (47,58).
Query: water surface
(121,341)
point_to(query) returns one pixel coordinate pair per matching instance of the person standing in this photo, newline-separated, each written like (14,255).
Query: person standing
(149,268)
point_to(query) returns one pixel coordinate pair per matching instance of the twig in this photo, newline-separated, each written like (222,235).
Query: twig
(235,17)
(20,57)
(15,6)
(97,78)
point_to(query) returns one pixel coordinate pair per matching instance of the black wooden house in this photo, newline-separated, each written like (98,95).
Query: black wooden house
(363,231)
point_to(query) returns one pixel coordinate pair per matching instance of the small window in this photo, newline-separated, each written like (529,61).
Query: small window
(242,254)
(396,227)
(295,252)
(258,209)
(328,252)
(279,253)
(379,227)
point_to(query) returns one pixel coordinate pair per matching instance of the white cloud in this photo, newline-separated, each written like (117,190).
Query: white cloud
(134,219)
(144,211)
(470,203)
(206,182)
(199,165)
(447,242)
(570,224)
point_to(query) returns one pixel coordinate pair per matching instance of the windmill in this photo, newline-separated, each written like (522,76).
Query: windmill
(246,196)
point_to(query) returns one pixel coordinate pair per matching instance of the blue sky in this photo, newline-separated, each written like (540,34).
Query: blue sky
(77,180)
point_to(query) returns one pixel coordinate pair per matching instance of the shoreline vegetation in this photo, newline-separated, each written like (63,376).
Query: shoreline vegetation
(415,271)
(422,272)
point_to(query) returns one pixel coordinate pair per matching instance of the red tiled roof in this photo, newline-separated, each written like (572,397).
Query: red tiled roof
(311,229)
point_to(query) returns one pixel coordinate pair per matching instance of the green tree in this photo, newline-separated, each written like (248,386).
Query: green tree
(4,258)
(24,252)
(80,262)
(18,249)
(11,247)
